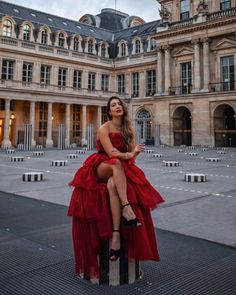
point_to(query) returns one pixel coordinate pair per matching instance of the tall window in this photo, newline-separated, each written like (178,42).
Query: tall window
(7,28)
(153,44)
(227,73)
(45,75)
(184,9)
(43,113)
(151,82)
(26,32)
(77,83)
(135,84)
(90,46)
(91,81)
(44,37)
(27,72)
(186,77)
(103,50)
(137,46)
(225,4)
(105,83)
(7,69)
(76,44)
(62,77)
(123,49)
(104,114)
(76,120)
(121,84)
(61,40)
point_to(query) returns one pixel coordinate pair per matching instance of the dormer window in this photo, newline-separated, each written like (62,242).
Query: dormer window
(137,46)
(7,28)
(26,32)
(76,44)
(184,13)
(90,46)
(61,40)
(225,4)
(103,50)
(44,37)
(123,49)
(152,44)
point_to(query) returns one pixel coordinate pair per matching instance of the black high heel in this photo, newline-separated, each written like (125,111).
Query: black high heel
(114,253)
(132,222)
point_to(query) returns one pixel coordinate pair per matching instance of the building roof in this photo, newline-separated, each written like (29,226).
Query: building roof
(107,26)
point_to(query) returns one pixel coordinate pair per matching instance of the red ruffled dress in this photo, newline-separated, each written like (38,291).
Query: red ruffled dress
(90,209)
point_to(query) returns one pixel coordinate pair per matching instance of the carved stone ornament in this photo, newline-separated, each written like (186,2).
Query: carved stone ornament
(202,7)
(164,14)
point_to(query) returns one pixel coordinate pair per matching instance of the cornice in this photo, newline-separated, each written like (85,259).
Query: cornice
(193,28)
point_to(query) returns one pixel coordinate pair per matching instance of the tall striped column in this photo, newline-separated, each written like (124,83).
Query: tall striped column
(67,133)
(32,120)
(27,137)
(49,141)
(6,140)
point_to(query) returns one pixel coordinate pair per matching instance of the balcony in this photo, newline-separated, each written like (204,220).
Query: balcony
(222,86)
(222,13)
(32,87)
(180,90)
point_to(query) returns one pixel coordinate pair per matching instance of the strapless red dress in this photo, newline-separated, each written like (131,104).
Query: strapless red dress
(90,209)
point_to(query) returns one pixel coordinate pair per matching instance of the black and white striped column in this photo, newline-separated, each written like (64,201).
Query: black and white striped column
(61,137)
(32,176)
(27,137)
(59,163)
(115,273)
(195,177)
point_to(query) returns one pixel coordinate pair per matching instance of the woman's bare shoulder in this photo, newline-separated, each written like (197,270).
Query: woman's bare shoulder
(104,128)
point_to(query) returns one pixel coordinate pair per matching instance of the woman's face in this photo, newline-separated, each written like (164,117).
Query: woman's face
(116,108)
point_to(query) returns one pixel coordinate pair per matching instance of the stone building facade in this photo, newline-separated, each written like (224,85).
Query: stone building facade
(176,74)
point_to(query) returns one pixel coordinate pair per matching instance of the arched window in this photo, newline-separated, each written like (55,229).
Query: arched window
(7,28)
(103,50)
(123,49)
(137,46)
(44,37)
(76,44)
(26,32)
(90,46)
(61,40)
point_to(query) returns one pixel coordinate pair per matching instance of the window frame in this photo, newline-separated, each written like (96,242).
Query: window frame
(8,69)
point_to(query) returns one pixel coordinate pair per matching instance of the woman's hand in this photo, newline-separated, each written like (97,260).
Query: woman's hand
(138,149)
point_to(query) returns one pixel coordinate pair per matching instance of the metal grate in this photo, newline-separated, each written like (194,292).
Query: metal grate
(37,258)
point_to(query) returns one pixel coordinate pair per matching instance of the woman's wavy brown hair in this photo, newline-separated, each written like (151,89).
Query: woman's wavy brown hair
(126,129)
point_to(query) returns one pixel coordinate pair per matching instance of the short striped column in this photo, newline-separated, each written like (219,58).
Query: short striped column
(191,147)
(17,159)
(38,154)
(32,176)
(59,163)
(204,149)
(119,272)
(38,147)
(20,146)
(149,151)
(72,156)
(213,159)
(72,146)
(193,154)
(80,152)
(171,163)
(195,177)
(183,146)
(10,151)
(157,155)
(85,149)
(220,152)
(180,150)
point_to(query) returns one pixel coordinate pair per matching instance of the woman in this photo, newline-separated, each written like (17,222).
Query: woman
(112,198)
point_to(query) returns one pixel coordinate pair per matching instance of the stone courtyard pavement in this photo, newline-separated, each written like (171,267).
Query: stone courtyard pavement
(204,210)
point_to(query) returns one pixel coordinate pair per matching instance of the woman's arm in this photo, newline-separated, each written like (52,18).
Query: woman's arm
(103,135)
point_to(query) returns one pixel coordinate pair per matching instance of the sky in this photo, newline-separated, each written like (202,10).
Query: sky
(74,9)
